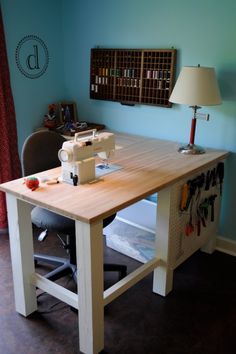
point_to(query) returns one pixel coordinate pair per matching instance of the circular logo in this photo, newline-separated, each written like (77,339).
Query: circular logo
(32,57)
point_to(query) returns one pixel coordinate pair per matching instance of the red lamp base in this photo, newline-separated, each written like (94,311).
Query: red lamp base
(191,148)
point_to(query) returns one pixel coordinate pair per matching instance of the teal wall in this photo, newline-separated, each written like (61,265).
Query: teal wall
(202,31)
(31,96)
(201,36)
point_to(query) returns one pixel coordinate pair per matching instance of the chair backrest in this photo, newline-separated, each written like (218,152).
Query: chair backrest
(40,152)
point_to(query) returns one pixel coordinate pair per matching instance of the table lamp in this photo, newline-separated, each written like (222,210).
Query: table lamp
(196,86)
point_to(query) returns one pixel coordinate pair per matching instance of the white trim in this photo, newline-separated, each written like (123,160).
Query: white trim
(135,225)
(226,245)
(131,215)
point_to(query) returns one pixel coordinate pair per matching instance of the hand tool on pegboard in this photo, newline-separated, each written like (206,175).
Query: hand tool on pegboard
(220,174)
(184,196)
(211,200)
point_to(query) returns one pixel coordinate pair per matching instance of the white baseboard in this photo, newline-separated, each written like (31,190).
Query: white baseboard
(226,245)
(133,215)
(136,225)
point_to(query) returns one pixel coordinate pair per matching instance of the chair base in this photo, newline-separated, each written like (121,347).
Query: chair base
(64,267)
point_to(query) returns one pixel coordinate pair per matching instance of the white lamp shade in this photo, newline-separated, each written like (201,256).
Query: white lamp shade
(196,86)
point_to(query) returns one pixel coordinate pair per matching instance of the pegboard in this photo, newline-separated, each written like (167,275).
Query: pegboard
(182,246)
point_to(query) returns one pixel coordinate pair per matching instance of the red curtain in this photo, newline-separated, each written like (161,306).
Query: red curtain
(9,157)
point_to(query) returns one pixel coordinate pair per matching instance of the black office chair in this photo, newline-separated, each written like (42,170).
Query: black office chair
(40,153)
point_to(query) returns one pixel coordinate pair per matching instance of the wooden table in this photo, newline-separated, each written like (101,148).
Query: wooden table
(148,166)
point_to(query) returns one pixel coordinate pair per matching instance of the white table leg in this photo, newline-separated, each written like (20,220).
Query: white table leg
(163,275)
(89,249)
(21,244)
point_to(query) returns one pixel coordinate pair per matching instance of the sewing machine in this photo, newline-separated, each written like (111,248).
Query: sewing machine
(77,156)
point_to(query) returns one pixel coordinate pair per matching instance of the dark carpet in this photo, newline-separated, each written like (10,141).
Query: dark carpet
(197,317)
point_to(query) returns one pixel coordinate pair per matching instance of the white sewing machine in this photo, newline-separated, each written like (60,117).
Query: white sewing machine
(77,156)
